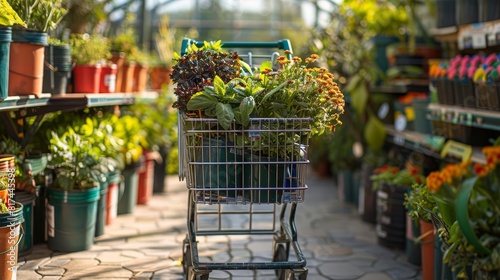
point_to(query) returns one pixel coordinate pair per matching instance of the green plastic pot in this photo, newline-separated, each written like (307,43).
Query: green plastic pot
(128,200)
(28,202)
(101,209)
(71,219)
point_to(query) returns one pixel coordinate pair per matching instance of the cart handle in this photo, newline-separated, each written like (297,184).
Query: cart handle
(280,44)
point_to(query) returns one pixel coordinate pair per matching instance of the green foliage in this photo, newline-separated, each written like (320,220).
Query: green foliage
(3,208)
(420,203)
(226,102)
(8,16)
(40,15)
(75,167)
(157,120)
(89,49)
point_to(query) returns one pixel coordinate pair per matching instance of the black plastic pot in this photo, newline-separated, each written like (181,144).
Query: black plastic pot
(57,69)
(160,172)
(391,216)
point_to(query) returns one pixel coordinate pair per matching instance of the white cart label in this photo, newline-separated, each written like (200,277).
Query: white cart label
(50,220)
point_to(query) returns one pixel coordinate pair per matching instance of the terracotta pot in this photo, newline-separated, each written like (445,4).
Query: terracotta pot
(160,76)
(119,60)
(127,83)
(427,246)
(140,78)
(86,78)
(26,69)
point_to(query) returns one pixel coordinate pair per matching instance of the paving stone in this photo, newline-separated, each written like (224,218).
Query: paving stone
(112,257)
(222,257)
(100,271)
(28,275)
(145,264)
(376,276)
(401,272)
(77,255)
(78,264)
(33,264)
(57,262)
(51,271)
(143,276)
(340,270)
(49,278)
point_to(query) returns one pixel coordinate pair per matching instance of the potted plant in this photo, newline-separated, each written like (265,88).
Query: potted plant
(467,199)
(74,192)
(88,53)
(392,183)
(6,22)
(422,207)
(27,47)
(141,70)
(164,40)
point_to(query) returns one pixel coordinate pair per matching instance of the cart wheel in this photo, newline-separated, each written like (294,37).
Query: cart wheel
(280,256)
(186,261)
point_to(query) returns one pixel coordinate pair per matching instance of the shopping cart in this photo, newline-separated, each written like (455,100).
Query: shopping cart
(241,182)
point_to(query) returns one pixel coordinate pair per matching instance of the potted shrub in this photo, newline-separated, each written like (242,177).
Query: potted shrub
(164,40)
(10,18)
(123,47)
(74,192)
(27,47)
(88,53)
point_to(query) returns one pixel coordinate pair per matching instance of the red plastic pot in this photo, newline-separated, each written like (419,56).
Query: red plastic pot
(146,178)
(86,78)
(112,202)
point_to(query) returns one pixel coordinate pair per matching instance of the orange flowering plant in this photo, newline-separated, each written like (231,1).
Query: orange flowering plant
(468,199)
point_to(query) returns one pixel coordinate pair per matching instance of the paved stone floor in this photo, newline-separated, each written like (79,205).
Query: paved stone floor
(147,244)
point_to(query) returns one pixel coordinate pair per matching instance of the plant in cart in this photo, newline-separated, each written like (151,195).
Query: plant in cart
(257,117)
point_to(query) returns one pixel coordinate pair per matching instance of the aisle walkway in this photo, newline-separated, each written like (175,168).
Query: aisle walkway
(147,245)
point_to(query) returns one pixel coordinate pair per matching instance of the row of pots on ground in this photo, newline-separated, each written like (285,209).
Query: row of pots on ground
(68,221)
(29,66)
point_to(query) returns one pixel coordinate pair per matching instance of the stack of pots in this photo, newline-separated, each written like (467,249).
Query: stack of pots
(57,69)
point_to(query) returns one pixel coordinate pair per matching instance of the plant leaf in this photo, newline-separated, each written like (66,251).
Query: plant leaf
(246,107)
(219,86)
(359,97)
(225,115)
(375,133)
(201,101)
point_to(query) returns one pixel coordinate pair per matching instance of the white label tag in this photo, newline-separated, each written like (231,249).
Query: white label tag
(50,220)
(114,202)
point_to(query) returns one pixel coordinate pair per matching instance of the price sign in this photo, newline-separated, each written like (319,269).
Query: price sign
(457,150)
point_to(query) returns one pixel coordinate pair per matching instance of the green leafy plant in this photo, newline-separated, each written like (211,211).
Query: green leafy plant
(75,167)
(89,49)
(8,16)
(157,120)
(420,203)
(227,102)
(40,15)
(164,42)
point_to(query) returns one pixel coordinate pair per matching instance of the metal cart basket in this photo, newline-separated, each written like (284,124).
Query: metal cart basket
(244,181)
